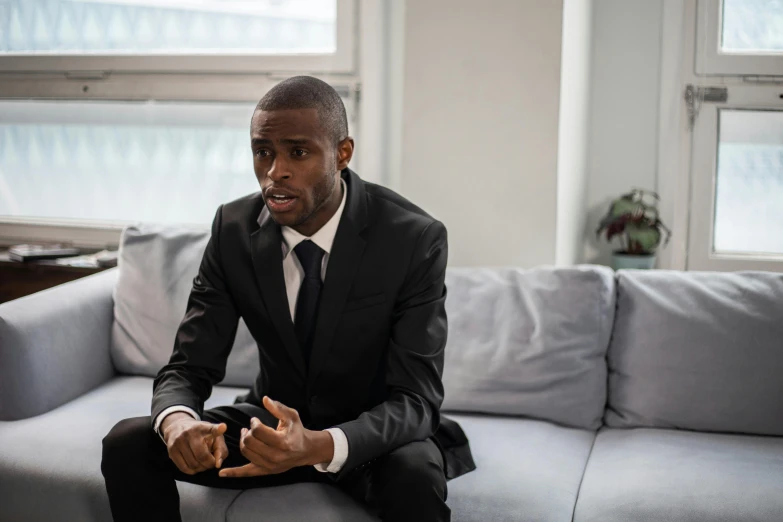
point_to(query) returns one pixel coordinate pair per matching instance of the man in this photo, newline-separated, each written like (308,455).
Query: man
(341,283)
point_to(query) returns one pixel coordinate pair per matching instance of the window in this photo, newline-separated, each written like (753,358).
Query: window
(117,111)
(177,35)
(752,27)
(736,199)
(749,182)
(123,161)
(118,162)
(740,37)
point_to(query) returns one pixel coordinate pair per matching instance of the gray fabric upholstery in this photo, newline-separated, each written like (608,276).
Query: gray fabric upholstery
(297,503)
(54,345)
(529,342)
(701,351)
(157,266)
(56,457)
(527,471)
(690,350)
(667,475)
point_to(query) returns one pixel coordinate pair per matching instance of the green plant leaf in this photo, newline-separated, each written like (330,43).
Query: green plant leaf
(634,218)
(646,236)
(622,206)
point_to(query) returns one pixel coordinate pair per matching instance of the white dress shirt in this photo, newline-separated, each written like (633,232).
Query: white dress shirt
(293,274)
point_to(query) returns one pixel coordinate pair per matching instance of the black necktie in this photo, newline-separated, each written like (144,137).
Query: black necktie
(310,256)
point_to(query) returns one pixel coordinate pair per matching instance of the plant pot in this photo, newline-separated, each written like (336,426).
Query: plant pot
(635,261)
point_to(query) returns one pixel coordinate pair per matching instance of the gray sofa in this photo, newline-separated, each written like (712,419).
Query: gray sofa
(587,395)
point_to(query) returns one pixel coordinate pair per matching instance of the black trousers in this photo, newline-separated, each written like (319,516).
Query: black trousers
(407,484)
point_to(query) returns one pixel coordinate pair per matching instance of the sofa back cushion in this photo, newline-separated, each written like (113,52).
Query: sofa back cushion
(529,342)
(699,351)
(157,265)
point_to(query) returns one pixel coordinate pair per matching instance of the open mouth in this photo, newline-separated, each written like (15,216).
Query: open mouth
(280,203)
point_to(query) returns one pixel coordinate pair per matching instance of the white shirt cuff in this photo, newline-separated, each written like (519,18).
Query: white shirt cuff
(172,409)
(340,452)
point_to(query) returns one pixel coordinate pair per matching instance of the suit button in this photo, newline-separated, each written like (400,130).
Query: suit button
(314,400)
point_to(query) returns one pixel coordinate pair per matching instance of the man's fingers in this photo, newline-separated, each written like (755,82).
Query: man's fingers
(180,454)
(212,431)
(274,408)
(264,433)
(200,448)
(258,455)
(214,441)
(262,453)
(280,410)
(203,455)
(248,470)
(190,460)
(176,457)
(219,451)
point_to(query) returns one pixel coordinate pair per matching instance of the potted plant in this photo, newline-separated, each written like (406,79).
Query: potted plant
(633,218)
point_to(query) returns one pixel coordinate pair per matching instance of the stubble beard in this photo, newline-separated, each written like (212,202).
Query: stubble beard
(321,194)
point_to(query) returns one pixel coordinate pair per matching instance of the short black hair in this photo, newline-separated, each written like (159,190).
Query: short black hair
(306,92)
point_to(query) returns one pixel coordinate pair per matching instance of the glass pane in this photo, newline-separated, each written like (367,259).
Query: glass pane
(168,26)
(749,192)
(752,26)
(123,161)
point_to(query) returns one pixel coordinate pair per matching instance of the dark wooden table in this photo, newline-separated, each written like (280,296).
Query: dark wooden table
(18,279)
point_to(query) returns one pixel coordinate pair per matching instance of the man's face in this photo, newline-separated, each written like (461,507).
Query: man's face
(297,166)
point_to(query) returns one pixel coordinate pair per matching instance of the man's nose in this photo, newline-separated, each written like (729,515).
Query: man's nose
(279,170)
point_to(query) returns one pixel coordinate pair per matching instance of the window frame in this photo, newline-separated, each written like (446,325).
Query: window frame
(679,159)
(702,254)
(341,61)
(14,231)
(710,60)
(141,88)
(374,24)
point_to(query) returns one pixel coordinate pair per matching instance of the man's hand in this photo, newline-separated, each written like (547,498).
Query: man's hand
(273,451)
(194,446)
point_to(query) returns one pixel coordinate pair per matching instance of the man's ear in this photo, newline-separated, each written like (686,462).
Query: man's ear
(344,153)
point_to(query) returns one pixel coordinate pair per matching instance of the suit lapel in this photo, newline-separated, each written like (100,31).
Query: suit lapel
(266,250)
(343,264)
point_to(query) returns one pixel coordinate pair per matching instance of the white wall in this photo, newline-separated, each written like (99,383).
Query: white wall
(624,102)
(519,166)
(480,107)
(573,126)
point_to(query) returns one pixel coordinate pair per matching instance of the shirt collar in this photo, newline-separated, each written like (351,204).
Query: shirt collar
(324,237)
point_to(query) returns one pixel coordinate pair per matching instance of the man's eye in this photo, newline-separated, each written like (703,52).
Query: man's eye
(300,152)
(262,153)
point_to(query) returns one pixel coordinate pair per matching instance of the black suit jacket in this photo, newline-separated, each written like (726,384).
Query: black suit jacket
(378,350)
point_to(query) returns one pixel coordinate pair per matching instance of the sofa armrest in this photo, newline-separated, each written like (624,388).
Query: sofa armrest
(54,345)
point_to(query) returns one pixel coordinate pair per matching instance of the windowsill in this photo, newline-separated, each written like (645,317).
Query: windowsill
(92,235)
(14,231)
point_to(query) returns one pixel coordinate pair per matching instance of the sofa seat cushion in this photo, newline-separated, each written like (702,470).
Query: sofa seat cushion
(297,503)
(659,474)
(56,457)
(527,470)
